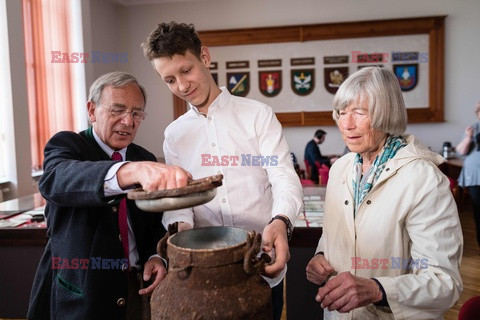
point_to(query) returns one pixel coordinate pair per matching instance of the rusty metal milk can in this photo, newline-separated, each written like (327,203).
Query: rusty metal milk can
(213,273)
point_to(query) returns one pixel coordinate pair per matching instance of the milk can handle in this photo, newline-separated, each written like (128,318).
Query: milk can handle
(162,244)
(182,272)
(251,263)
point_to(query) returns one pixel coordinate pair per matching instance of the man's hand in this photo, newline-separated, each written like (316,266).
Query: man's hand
(154,266)
(346,292)
(183,226)
(275,243)
(152,176)
(318,269)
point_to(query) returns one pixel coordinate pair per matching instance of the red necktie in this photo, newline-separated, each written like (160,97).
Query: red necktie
(122,215)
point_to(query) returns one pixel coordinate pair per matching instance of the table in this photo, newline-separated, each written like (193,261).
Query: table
(22,232)
(452,168)
(19,205)
(300,292)
(21,248)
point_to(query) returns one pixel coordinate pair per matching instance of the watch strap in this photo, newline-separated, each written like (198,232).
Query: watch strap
(287,223)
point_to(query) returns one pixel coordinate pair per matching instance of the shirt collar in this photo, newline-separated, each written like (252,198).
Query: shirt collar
(109,151)
(217,104)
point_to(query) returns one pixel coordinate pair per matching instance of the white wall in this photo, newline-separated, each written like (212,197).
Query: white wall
(101,33)
(461,53)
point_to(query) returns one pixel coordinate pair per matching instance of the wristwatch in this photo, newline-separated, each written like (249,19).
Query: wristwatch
(287,223)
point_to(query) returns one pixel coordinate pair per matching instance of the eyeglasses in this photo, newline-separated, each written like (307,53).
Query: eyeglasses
(119,111)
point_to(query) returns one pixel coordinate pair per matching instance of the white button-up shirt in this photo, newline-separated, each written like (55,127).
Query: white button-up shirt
(243,140)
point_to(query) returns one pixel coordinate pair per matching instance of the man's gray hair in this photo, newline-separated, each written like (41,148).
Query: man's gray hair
(379,88)
(116,79)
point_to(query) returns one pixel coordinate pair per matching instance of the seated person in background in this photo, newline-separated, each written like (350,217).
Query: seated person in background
(392,241)
(265,197)
(313,154)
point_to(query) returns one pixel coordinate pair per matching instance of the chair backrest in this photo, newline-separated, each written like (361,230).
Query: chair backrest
(307,182)
(294,160)
(470,310)
(323,173)
(308,169)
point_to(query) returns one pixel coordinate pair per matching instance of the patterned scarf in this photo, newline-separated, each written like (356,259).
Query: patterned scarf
(363,185)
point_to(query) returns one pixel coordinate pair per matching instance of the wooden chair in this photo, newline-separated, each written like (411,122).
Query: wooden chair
(308,169)
(300,172)
(452,173)
(307,181)
(323,171)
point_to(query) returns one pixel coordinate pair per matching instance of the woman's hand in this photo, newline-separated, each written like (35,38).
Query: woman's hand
(346,292)
(318,269)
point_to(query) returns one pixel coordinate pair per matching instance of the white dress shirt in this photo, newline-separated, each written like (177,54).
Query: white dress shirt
(233,139)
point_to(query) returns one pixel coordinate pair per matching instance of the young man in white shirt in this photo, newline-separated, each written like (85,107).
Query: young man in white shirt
(237,137)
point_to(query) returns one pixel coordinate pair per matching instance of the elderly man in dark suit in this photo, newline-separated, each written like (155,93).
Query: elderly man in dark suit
(101,247)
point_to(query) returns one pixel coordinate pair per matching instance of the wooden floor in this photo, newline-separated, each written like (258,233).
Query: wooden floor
(470,267)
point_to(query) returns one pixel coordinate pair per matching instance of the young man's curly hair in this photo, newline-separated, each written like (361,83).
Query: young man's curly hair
(170,39)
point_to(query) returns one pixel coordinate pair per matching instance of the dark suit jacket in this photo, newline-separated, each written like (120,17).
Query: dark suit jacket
(82,224)
(312,154)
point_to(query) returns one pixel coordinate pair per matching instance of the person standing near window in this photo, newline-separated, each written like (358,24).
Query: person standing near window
(469,177)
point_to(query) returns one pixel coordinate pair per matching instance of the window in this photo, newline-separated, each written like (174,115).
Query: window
(6,119)
(56,86)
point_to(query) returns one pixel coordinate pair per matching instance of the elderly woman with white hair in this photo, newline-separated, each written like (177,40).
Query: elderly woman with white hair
(392,242)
